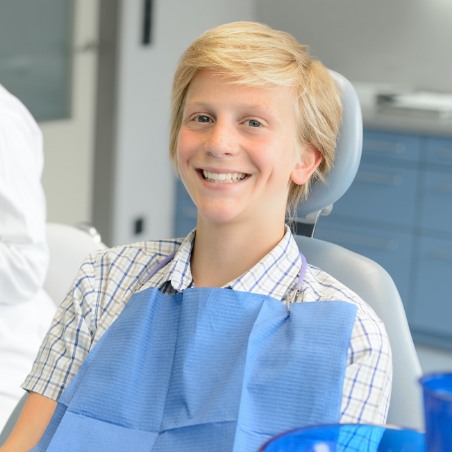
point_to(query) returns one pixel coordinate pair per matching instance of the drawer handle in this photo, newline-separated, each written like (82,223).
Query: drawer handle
(370,177)
(444,188)
(441,254)
(375,243)
(445,154)
(381,146)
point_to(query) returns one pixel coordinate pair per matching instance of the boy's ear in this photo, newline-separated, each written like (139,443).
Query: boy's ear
(310,159)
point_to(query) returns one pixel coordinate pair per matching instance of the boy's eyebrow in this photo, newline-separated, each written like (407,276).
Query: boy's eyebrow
(244,105)
(196,103)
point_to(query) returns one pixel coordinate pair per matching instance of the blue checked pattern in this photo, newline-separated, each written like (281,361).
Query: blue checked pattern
(107,280)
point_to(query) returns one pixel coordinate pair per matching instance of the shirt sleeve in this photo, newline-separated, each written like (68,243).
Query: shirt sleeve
(102,288)
(368,377)
(23,250)
(69,338)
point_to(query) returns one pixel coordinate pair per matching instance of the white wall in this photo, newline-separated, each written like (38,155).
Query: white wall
(68,143)
(143,179)
(405,42)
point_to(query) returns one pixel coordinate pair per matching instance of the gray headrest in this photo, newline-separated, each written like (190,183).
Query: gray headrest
(348,155)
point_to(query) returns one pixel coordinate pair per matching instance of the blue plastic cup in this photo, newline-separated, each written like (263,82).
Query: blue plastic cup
(437,395)
(347,438)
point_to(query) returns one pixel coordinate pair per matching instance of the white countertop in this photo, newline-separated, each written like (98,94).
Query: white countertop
(384,117)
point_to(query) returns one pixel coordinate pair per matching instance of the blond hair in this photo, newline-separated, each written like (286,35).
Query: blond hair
(256,55)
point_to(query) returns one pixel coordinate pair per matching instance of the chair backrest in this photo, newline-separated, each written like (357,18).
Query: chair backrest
(364,276)
(68,247)
(348,155)
(374,285)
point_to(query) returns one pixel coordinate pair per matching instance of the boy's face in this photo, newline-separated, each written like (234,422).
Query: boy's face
(238,150)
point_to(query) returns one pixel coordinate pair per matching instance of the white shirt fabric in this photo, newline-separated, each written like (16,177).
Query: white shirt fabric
(25,309)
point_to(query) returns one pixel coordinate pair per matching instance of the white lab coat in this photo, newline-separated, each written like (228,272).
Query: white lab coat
(25,309)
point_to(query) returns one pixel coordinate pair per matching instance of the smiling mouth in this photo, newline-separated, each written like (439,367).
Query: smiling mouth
(223,178)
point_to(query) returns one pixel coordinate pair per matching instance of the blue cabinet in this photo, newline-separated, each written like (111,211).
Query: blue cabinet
(431,313)
(396,147)
(398,212)
(435,201)
(377,181)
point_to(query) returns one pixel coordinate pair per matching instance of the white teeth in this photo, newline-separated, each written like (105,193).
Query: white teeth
(225,178)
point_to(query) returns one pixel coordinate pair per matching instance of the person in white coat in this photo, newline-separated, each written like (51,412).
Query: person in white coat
(25,309)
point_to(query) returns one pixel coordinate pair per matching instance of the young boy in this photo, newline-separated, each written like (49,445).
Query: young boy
(220,340)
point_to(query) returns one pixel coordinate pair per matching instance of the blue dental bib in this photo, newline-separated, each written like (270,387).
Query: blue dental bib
(205,370)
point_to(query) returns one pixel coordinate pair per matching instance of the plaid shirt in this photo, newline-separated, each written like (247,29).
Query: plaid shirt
(108,279)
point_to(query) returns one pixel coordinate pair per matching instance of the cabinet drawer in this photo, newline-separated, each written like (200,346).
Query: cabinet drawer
(438,150)
(380,193)
(436,201)
(392,250)
(185,213)
(393,146)
(432,302)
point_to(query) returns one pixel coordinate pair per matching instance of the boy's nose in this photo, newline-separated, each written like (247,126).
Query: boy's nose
(222,141)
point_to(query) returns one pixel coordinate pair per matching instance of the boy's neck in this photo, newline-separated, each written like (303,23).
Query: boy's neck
(223,253)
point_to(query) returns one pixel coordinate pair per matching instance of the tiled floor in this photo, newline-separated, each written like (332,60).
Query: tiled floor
(434,359)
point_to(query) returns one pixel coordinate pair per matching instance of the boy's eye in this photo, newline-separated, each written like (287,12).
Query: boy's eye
(254,123)
(201,118)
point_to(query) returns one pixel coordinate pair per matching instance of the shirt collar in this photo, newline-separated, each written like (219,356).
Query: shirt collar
(179,272)
(273,275)
(276,273)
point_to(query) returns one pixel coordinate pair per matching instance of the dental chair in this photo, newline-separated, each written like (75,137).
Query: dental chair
(68,247)
(364,276)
